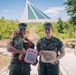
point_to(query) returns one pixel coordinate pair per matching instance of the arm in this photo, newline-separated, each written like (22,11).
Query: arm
(25,41)
(11,49)
(62,53)
(38,47)
(61,50)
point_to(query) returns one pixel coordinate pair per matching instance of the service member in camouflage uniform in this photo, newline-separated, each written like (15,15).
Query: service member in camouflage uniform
(50,43)
(17,67)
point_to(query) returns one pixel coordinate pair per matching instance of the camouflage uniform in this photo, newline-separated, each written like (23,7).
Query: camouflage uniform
(17,67)
(51,45)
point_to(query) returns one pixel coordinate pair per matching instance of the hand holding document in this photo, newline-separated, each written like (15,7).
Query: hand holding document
(48,56)
(31,56)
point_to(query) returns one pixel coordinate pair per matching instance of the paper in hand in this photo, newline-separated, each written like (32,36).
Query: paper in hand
(48,56)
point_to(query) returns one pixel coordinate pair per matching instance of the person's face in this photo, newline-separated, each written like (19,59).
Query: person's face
(23,32)
(48,31)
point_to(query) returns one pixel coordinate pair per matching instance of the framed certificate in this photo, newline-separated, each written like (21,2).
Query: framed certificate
(48,56)
(31,56)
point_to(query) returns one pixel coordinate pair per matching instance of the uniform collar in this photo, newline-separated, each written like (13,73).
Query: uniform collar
(51,39)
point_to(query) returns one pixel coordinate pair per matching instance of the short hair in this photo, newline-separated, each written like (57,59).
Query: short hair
(22,25)
(47,25)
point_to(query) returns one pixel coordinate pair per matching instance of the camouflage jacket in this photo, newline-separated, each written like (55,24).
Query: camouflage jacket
(53,44)
(20,66)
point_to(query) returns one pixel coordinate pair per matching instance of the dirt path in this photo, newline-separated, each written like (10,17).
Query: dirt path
(3,42)
(33,36)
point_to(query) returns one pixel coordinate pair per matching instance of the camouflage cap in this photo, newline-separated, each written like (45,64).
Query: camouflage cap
(22,26)
(47,25)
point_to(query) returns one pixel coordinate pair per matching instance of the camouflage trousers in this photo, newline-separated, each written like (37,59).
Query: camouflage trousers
(19,68)
(48,69)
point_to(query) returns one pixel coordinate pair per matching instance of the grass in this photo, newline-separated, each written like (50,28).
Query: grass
(4,60)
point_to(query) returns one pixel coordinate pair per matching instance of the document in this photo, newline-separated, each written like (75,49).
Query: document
(48,56)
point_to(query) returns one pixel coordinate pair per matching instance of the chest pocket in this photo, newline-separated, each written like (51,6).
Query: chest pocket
(42,46)
(48,46)
(51,46)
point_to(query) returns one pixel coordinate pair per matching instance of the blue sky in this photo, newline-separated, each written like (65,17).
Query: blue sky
(14,9)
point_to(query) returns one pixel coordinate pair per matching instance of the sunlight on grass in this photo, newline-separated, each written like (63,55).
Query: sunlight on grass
(4,60)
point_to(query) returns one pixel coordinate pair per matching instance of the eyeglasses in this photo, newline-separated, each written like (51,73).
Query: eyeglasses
(47,29)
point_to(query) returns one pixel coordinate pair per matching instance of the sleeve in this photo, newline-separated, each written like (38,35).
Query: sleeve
(38,46)
(60,45)
(32,44)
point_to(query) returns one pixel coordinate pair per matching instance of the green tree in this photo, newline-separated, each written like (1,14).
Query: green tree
(60,26)
(7,27)
(71,10)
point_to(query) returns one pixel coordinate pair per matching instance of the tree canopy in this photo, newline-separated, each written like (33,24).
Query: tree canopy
(71,10)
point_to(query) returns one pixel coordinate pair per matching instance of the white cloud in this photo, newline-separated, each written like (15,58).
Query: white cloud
(65,0)
(53,11)
(6,11)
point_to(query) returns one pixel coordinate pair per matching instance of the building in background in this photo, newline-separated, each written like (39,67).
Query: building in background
(33,14)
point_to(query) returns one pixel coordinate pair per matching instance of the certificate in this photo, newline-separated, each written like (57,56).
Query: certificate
(48,56)
(31,56)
